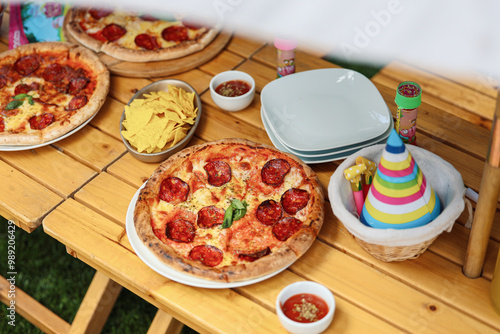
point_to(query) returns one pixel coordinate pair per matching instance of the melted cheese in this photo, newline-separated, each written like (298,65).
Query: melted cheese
(24,113)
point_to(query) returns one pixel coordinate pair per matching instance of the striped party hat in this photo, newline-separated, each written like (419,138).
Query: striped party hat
(399,197)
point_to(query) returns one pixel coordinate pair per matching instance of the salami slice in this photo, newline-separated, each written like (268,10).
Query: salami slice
(113,31)
(41,121)
(25,88)
(219,172)
(210,216)
(255,256)
(274,171)
(27,64)
(3,81)
(269,212)
(77,102)
(147,42)
(209,255)
(99,13)
(175,34)
(76,85)
(54,73)
(173,190)
(294,200)
(180,230)
(2,125)
(286,227)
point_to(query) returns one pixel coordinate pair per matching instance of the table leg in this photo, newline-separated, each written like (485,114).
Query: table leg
(486,205)
(164,323)
(96,305)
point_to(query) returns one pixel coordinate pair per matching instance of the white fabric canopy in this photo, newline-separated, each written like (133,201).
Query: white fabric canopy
(460,35)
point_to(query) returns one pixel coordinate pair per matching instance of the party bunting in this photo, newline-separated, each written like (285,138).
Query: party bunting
(400,196)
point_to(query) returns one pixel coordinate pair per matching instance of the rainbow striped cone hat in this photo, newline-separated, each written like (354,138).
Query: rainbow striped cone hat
(399,196)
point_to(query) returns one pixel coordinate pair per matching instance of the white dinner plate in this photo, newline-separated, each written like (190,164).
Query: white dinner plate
(325,109)
(15,148)
(163,269)
(309,160)
(326,153)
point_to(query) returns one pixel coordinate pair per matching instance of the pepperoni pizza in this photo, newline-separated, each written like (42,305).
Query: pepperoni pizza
(48,89)
(230,210)
(136,38)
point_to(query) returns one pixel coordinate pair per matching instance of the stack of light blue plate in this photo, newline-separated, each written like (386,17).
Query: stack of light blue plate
(324,115)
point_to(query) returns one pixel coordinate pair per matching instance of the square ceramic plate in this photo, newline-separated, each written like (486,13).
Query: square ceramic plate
(327,153)
(325,109)
(307,159)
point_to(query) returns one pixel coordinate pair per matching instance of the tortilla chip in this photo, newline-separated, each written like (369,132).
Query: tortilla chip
(159,120)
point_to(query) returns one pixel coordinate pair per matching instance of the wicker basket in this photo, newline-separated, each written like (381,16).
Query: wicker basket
(400,244)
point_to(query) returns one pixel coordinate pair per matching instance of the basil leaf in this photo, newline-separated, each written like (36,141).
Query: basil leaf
(14,104)
(30,100)
(237,204)
(236,210)
(240,209)
(238,214)
(21,96)
(228,217)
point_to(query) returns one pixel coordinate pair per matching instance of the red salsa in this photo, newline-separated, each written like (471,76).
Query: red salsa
(233,88)
(305,307)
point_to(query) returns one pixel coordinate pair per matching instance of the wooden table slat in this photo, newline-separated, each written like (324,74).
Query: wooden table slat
(20,198)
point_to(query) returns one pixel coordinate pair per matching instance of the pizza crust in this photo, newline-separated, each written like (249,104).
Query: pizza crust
(280,258)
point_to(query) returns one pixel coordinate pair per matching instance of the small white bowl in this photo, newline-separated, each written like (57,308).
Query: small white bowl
(232,103)
(314,288)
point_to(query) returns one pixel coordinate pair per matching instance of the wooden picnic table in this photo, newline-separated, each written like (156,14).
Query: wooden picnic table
(80,189)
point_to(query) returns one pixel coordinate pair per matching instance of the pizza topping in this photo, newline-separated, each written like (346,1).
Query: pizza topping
(2,125)
(113,31)
(274,171)
(148,17)
(76,85)
(269,212)
(25,88)
(19,101)
(173,190)
(99,13)
(180,230)
(54,73)
(3,81)
(175,34)
(41,121)
(219,172)
(77,102)
(255,256)
(209,255)
(210,216)
(192,23)
(27,64)
(286,227)
(234,212)
(294,200)
(147,42)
